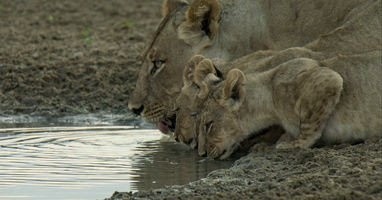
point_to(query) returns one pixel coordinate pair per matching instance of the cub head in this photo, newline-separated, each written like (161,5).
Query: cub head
(185,29)
(199,76)
(219,128)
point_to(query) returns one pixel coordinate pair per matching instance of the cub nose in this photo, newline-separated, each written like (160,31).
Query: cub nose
(137,111)
(202,154)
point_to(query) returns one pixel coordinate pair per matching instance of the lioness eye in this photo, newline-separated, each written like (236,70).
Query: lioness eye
(176,109)
(157,64)
(194,114)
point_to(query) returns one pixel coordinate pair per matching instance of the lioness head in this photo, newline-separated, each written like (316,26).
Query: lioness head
(198,77)
(219,128)
(185,29)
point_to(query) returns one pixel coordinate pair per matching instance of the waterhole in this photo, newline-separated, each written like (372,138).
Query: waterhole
(51,159)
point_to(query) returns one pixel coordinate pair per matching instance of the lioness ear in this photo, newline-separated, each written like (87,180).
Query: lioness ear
(205,74)
(170,5)
(189,70)
(233,90)
(202,22)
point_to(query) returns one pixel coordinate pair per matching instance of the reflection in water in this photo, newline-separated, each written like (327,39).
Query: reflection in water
(169,163)
(92,162)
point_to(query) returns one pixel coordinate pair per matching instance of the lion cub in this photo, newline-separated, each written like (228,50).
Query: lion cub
(198,77)
(307,100)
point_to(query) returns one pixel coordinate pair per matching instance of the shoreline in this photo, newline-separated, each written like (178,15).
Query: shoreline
(337,172)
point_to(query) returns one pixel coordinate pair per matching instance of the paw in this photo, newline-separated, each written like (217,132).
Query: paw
(285,145)
(213,152)
(259,147)
(292,145)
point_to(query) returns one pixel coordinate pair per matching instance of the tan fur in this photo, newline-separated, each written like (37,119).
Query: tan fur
(169,6)
(204,68)
(192,98)
(233,91)
(199,74)
(359,67)
(235,29)
(312,103)
(188,72)
(201,11)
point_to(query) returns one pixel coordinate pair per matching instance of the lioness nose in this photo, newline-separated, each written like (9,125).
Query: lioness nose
(137,111)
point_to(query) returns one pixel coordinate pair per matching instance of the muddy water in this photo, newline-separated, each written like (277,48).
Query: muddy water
(52,161)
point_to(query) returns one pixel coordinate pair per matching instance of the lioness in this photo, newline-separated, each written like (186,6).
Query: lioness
(226,29)
(311,102)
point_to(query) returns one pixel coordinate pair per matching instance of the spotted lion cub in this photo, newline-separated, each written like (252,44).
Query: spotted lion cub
(312,103)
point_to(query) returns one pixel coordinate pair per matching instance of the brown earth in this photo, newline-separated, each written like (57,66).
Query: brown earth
(70,57)
(341,172)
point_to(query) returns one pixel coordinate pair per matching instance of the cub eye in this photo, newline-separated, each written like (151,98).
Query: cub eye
(195,85)
(157,64)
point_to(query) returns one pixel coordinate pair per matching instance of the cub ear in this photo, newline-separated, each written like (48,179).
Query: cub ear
(205,75)
(170,5)
(189,70)
(202,22)
(233,90)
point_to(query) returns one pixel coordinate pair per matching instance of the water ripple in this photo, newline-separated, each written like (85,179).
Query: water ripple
(92,162)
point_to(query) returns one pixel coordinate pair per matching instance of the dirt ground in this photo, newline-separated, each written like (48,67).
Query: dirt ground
(342,172)
(71,57)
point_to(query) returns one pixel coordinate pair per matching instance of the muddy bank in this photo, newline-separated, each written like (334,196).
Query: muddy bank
(339,172)
(71,57)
